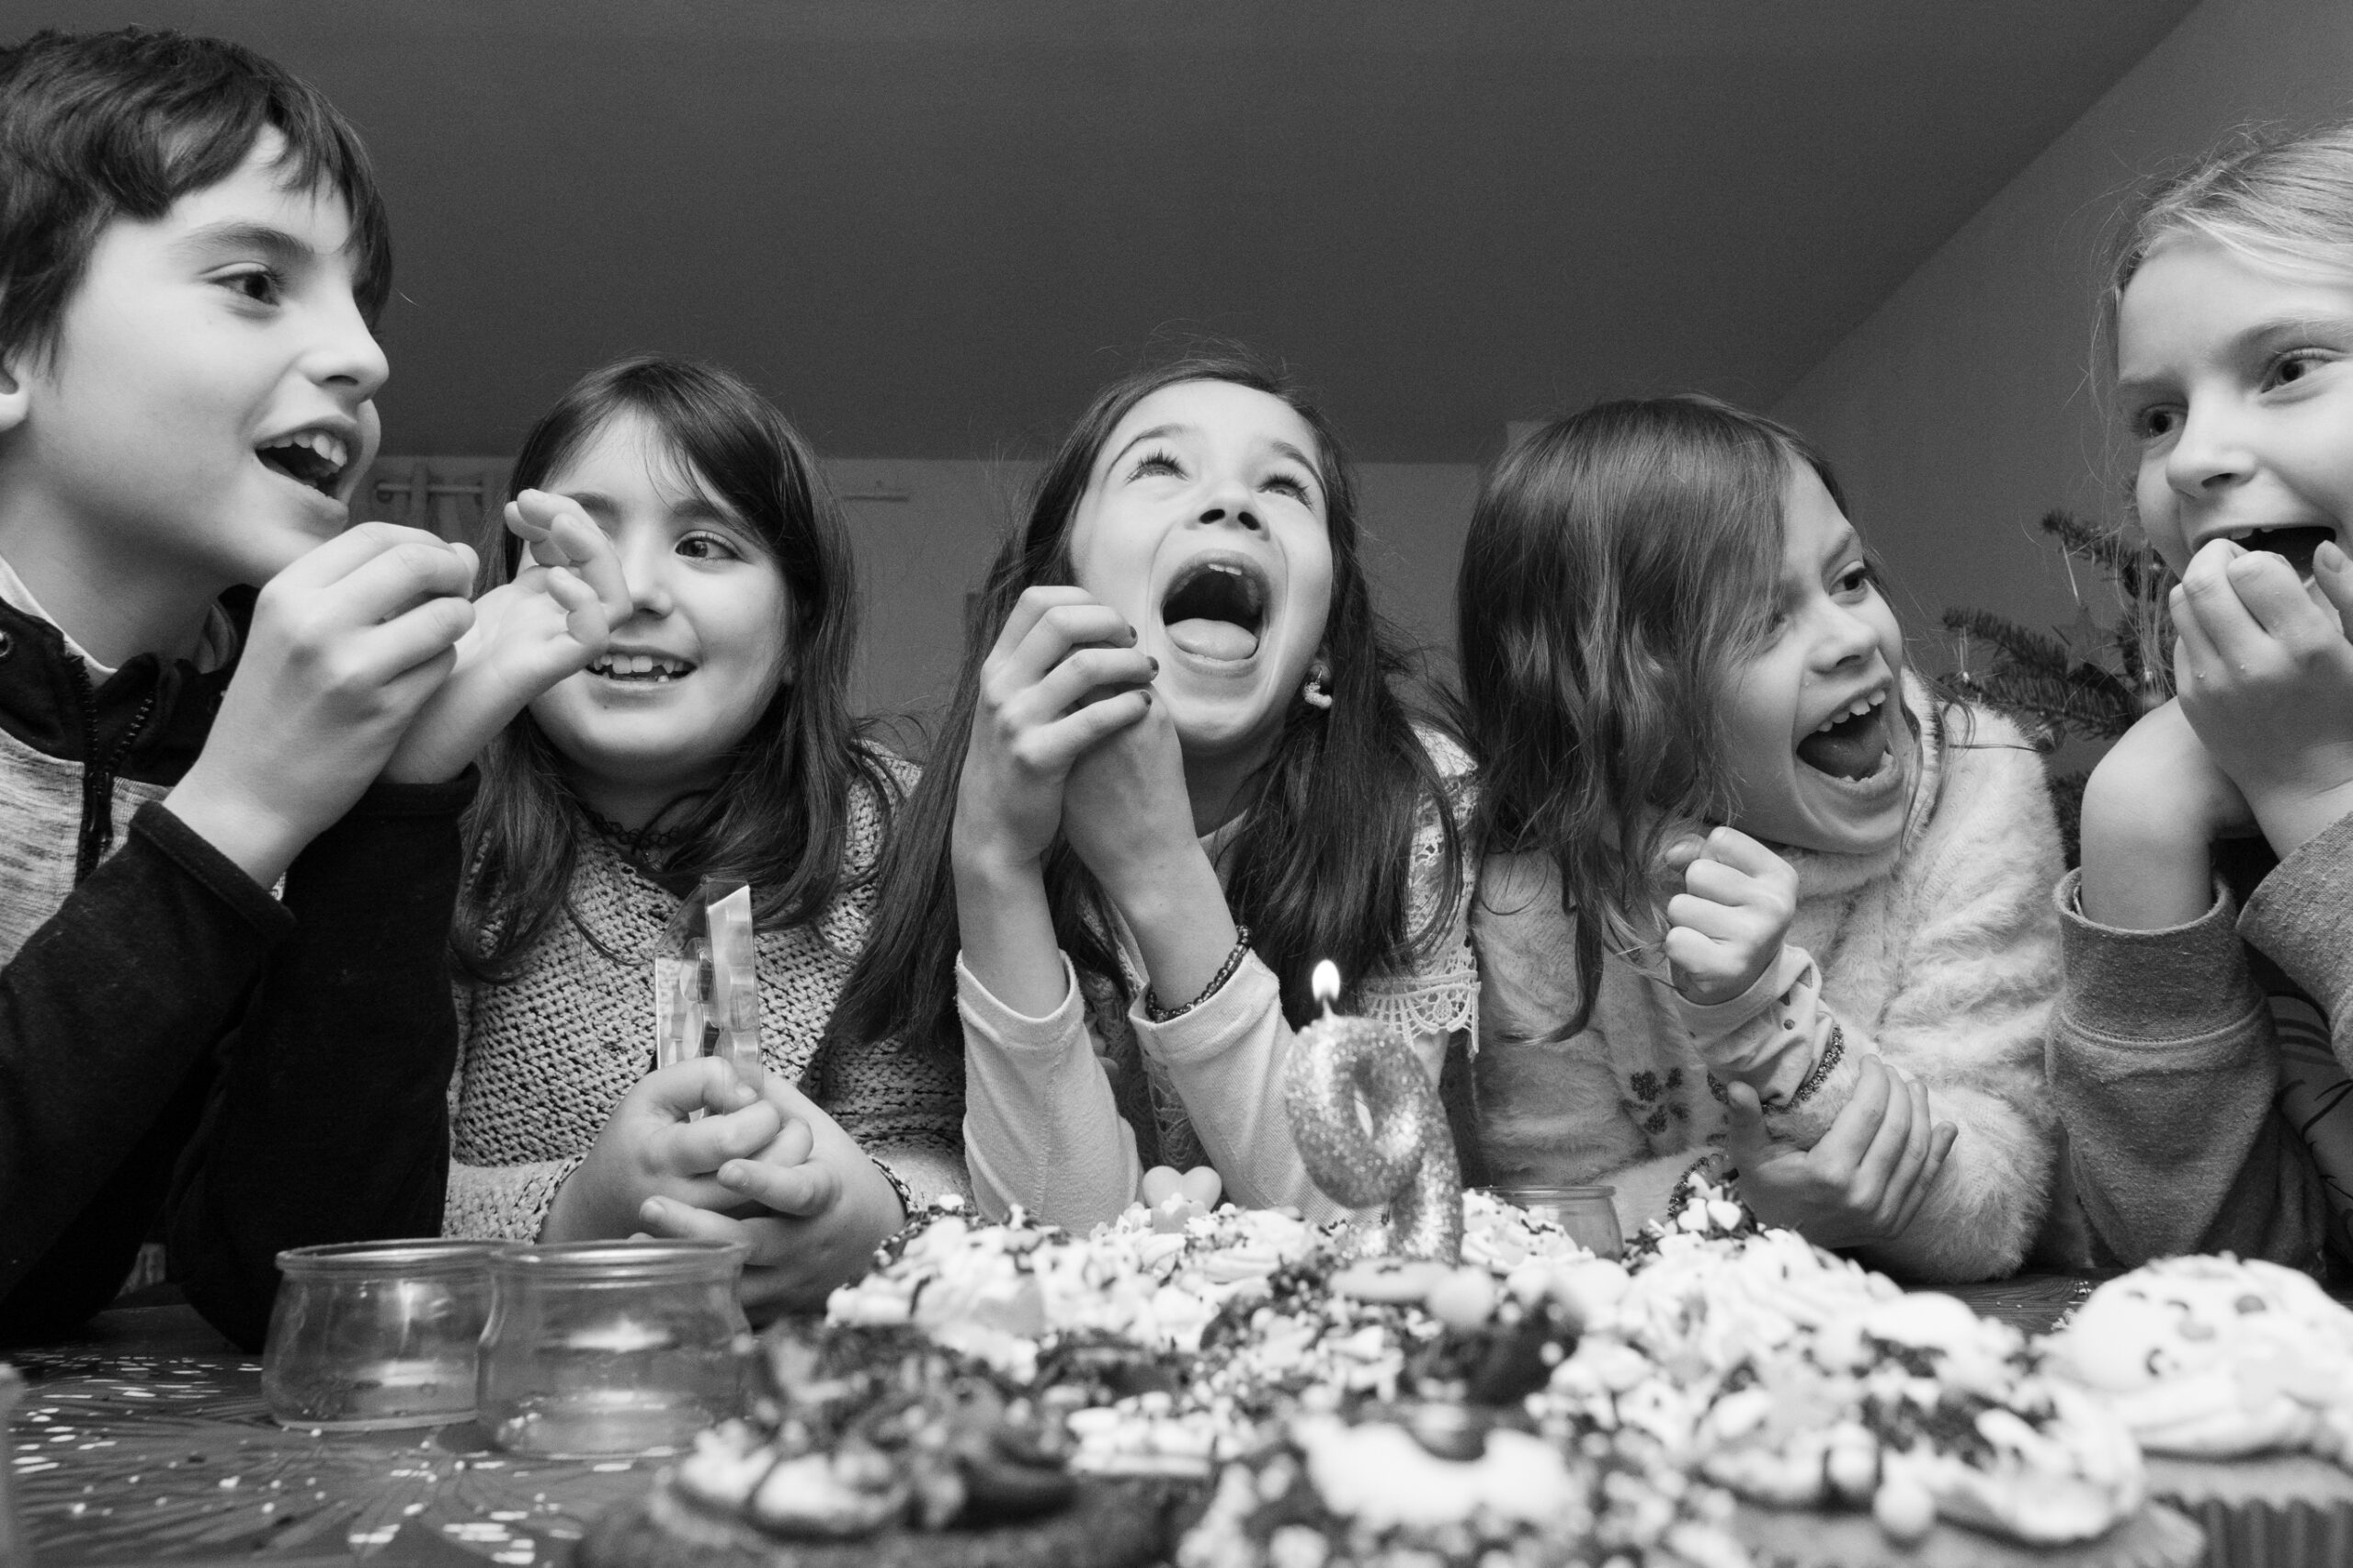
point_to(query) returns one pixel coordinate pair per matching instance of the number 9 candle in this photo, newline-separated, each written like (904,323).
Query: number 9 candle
(1406,1159)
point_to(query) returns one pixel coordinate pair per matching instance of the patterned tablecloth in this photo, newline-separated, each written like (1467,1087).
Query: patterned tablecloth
(146,1441)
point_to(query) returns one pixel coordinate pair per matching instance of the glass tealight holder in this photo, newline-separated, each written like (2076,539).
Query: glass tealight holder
(368,1336)
(1586,1212)
(607,1349)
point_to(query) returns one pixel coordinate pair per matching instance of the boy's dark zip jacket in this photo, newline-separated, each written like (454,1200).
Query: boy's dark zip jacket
(178,1045)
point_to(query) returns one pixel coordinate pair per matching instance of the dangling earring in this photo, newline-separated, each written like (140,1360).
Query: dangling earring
(1317,692)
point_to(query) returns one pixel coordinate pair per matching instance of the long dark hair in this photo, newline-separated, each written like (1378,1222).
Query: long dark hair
(779,817)
(1322,865)
(1619,562)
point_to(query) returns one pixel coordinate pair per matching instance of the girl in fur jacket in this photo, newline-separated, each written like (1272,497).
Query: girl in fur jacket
(1752,897)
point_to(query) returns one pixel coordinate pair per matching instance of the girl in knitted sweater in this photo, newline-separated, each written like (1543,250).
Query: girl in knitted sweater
(712,739)
(1751,894)
(1176,775)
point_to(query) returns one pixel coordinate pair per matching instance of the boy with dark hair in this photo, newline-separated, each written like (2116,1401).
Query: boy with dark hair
(192,253)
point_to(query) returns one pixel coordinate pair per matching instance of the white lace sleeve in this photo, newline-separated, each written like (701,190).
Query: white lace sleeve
(1440,993)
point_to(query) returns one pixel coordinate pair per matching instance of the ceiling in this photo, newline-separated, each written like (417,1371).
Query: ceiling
(929,228)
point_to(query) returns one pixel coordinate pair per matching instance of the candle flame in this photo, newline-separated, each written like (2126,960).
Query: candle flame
(1325,983)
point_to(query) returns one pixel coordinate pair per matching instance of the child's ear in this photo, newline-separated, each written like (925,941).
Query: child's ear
(16,389)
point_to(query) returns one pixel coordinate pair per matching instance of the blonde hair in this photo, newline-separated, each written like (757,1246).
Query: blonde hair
(2283,201)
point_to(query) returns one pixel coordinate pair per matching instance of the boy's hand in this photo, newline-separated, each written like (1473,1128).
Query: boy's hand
(346,644)
(1726,928)
(2266,676)
(649,1149)
(1867,1178)
(2152,810)
(824,1208)
(561,534)
(528,634)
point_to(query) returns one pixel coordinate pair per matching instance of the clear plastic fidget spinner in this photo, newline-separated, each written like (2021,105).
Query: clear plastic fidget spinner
(706,980)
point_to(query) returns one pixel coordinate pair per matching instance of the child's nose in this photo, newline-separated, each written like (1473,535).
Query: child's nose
(1231,502)
(2209,454)
(648,569)
(346,355)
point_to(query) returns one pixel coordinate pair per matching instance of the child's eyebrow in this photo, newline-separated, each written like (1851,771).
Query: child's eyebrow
(1140,437)
(275,245)
(1287,449)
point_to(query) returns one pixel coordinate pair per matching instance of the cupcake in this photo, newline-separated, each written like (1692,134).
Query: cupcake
(2237,1379)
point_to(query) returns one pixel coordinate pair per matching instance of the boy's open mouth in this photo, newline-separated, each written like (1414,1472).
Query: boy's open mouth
(2296,544)
(1852,743)
(640,668)
(316,459)
(1216,608)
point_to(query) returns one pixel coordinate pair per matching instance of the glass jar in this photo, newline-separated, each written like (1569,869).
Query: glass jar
(597,1349)
(367,1336)
(1586,1212)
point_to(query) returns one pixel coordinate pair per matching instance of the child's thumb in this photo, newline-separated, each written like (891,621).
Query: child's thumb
(1747,1137)
(706,1083)
(2334,572)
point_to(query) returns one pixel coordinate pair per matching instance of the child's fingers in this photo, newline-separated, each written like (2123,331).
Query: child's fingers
(1093,722)
(1857,1122)
(1874,1173)
(1031,609)
(419,637)
(669,1218)
(1913,1160)
(396,580)
(1940,1141)
(1085,672)
(694,1147)
(585,620)
(794,1142)
(2333,570)
(588,551)
(803,1191)
(701,1082)
(1680,853)
(2195,659)
(1730,847)
(2210,589)
(1719,883)
(1062,630)
(1709,917)
(1747,1141)
(2272,595)
(337,558)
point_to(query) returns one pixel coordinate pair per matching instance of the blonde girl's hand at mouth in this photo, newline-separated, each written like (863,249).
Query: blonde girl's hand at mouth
(811,1206)
(1726,928)
(2266,678)
(1866,1179)
(560,534)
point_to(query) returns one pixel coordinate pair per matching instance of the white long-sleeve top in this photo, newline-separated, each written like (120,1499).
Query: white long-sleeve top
(1062,1113)
(1940,956)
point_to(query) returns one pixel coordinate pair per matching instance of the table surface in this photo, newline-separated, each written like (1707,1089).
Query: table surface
(145,1440)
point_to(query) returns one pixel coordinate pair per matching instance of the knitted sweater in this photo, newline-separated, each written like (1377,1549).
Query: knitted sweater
(1940,955)
(1066,1112)
(2165,1060)
(545,1058)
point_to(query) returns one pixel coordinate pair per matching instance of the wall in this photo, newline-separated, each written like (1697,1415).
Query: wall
(1962,410)
(919,556)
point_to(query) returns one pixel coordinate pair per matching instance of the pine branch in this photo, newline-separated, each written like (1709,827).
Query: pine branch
(2059,703)
(2030,650)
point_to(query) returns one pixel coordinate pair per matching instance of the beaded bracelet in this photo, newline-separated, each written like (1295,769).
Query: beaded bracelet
(1160,1014)
(1830,1057)
(906,1198)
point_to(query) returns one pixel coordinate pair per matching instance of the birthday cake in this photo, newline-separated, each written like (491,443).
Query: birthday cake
(1458,1385)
